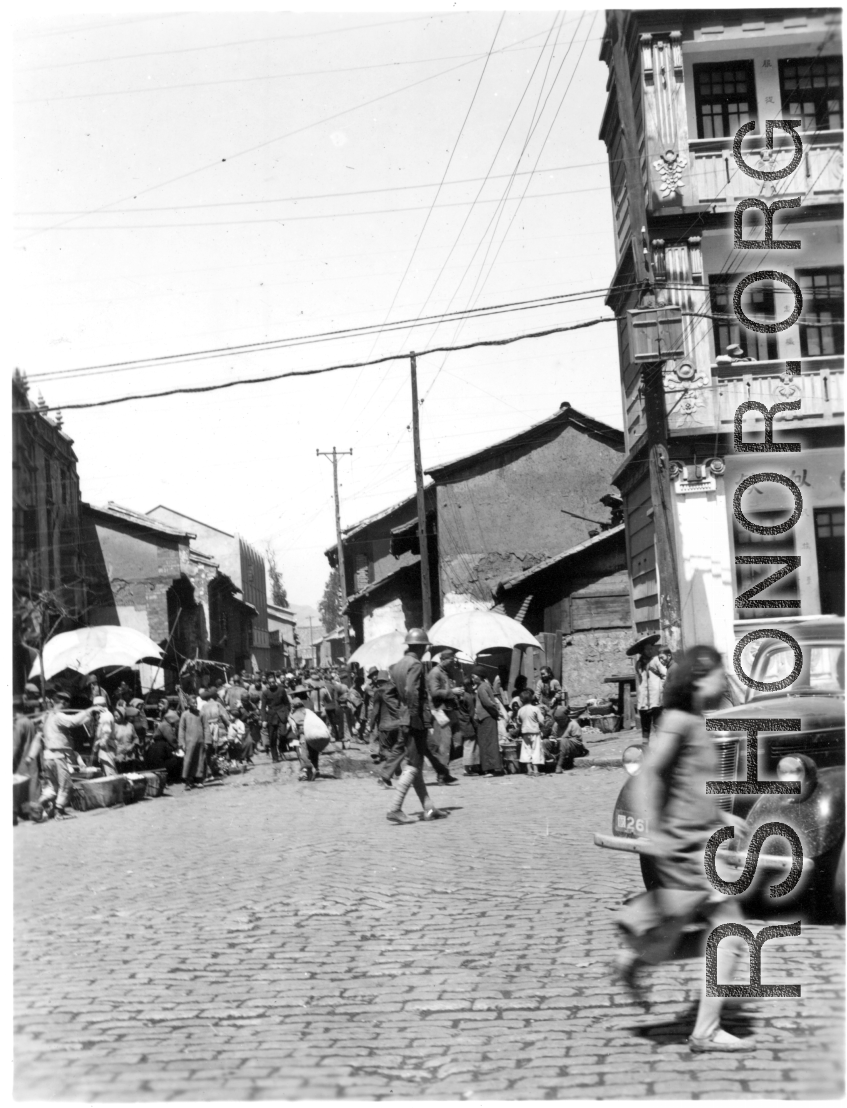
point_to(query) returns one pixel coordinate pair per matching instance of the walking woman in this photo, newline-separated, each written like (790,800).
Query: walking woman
(486,714)
(682,818)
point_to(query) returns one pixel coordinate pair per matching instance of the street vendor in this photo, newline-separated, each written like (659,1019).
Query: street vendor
(58,750)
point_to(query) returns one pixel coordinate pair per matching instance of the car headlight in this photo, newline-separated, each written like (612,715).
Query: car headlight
(631,759)
(798,767)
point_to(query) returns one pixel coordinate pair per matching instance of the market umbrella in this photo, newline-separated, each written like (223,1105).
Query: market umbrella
(476,631)
(382,652)
(92,648)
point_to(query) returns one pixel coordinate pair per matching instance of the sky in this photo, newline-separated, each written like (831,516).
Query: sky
(187,182)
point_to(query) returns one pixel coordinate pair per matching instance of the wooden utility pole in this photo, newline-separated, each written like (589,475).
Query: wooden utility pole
(426,587)
(342,576)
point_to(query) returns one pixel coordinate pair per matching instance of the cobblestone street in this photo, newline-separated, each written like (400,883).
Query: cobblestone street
(270,939)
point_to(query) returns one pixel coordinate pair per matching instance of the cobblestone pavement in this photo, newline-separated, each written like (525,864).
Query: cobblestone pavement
(267,939)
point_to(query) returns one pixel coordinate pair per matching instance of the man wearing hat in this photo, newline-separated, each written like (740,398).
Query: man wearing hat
(443,688)
(648,695)
(368,689)
(385,717)
(410,682)
(58,749)
(276,707)
(94,688)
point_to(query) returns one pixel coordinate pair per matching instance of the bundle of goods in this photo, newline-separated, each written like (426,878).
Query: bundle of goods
(601,714)
(98,792)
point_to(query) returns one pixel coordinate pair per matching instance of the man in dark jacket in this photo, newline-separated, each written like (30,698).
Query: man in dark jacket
(443,689)
(385,717)
(276,707)
(410,681)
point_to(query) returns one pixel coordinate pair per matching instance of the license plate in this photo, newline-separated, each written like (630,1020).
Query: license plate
(630,826)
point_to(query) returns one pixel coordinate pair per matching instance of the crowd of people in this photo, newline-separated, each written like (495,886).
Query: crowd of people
(208,728)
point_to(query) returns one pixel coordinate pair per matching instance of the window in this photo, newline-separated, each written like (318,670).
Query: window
(725,97)
(812,90)
(746,576)
(823,304)
(829,546)
(758,302)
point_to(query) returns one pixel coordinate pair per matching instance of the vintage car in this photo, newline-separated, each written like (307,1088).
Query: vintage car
(812,755)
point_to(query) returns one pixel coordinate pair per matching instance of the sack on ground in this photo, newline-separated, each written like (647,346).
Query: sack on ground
(314,727)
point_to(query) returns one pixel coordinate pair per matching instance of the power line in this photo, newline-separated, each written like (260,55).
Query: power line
(263,77)
(263,145)
(366,329)
(331,195)
(227,45)
(114,25)
(315,372)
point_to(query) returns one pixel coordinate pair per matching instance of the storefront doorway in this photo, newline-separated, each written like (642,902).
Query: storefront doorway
(829,542)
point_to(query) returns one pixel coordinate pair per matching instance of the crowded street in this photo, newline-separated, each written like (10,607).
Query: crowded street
(271,939)
(428,555)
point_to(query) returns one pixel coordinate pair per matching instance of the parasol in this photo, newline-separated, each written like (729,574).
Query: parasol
(476,631)
(382,651)
(638,647)
(92,648)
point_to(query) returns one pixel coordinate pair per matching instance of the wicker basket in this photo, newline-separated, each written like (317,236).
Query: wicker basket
(608,723)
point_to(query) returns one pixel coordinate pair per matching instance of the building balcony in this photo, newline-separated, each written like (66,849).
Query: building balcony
(717,180)
(706,405)
(819,386)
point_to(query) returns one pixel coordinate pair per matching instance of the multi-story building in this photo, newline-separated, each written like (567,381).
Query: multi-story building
(245,568)
(530,502)
(47,580)
(282,625)
(681,84)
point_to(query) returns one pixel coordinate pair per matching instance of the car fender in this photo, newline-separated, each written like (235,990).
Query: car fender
(818,819)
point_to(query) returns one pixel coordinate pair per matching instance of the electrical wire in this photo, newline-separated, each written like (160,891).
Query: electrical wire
(300,340)
(262,145)
(326,195)
(227,45)
(316,372)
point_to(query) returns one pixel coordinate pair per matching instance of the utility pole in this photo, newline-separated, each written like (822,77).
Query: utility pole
(342,576)
(426,586)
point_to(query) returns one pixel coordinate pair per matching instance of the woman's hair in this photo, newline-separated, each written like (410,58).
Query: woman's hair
(520,684)
(527,696)
(481,672)
(690,667)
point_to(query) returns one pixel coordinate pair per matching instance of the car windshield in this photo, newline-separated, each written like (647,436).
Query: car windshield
(823,666)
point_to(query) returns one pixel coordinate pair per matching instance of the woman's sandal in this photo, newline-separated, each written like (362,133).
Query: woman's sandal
(720,1041)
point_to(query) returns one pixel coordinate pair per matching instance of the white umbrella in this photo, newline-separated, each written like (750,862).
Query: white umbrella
(92,648)
(382,651)
(475,631)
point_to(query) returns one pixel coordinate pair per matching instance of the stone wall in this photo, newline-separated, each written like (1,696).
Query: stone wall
(590,656)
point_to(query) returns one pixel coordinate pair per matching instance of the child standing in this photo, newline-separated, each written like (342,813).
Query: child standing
(531,720)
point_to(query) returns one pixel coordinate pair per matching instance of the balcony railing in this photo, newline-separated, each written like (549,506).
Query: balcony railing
(819,387)
(716,179)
